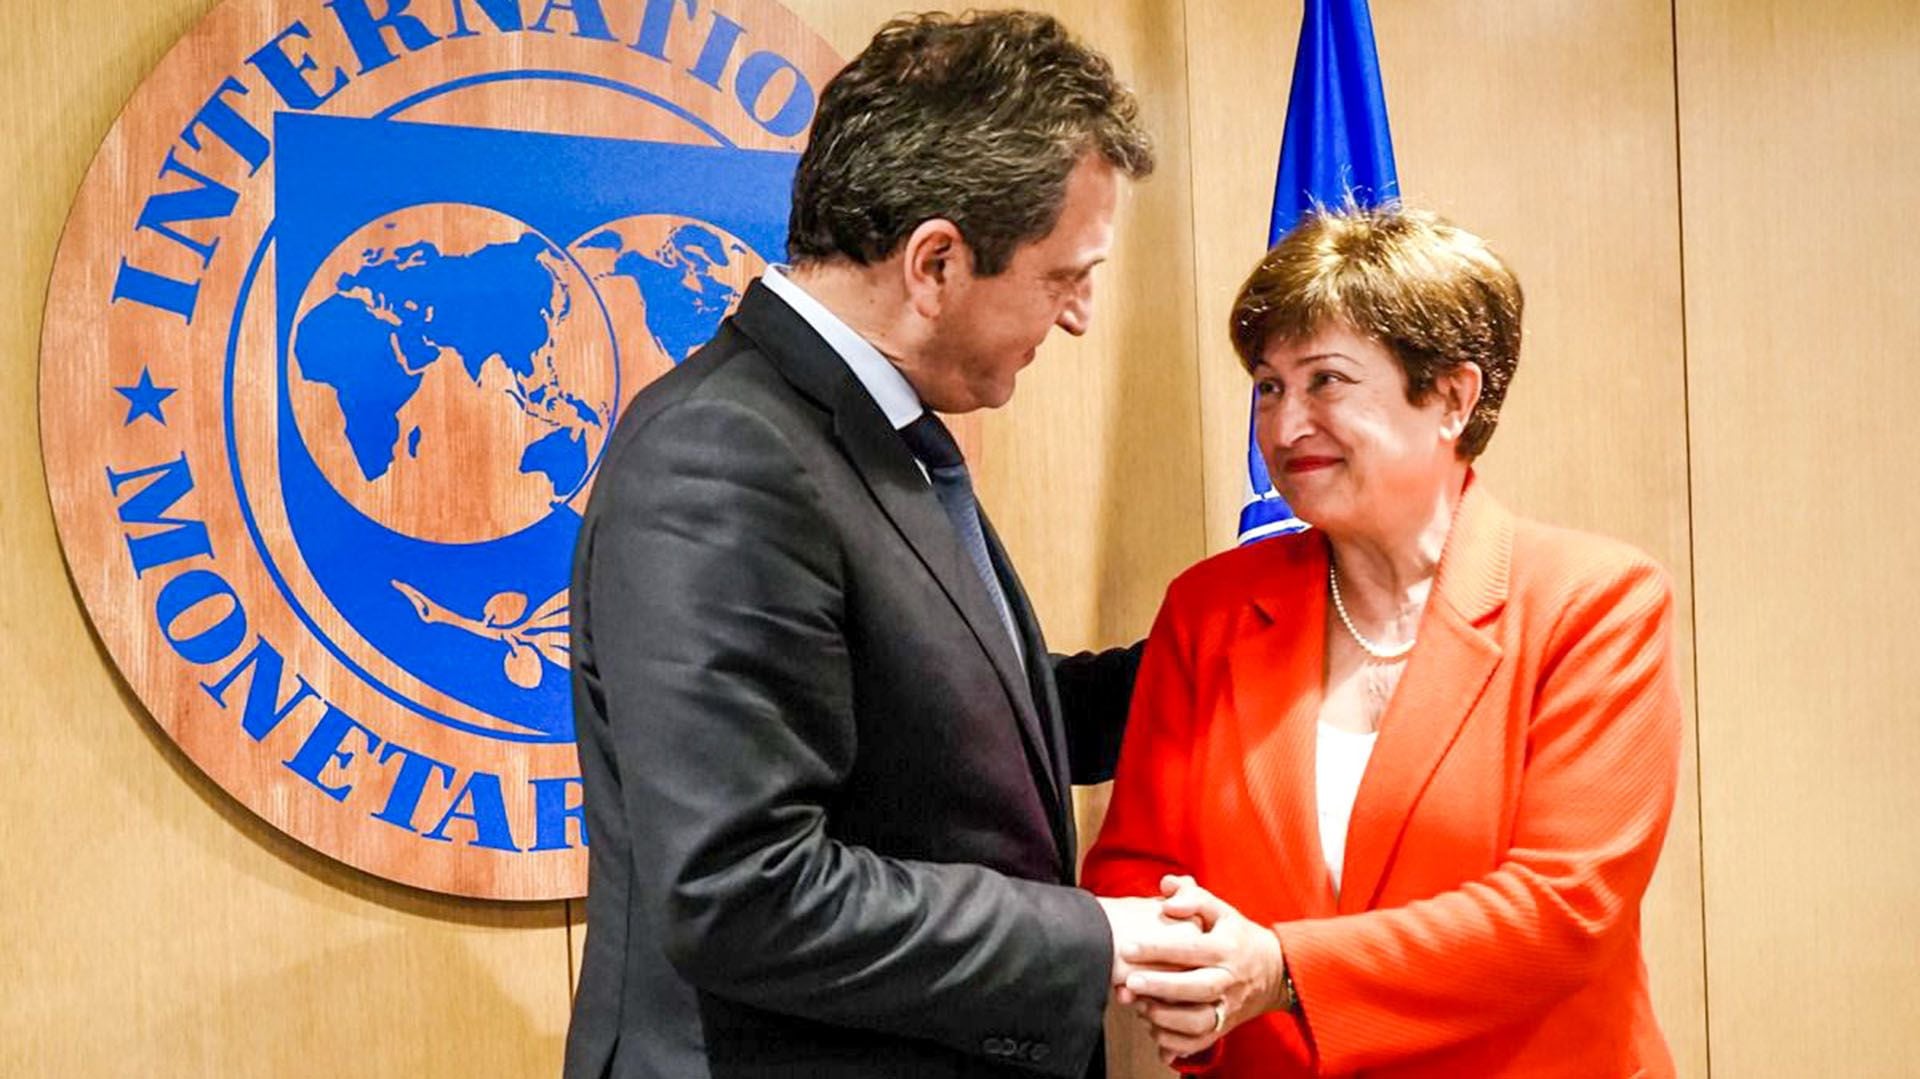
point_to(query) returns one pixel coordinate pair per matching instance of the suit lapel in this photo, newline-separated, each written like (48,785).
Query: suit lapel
(889,472)
(1049,727)
(887,468)
(1275,670)
(1446,674)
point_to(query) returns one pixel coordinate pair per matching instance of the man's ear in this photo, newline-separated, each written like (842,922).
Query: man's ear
(1459,391)
(933,260)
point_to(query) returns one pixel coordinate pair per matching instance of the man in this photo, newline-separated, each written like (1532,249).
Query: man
(827,768)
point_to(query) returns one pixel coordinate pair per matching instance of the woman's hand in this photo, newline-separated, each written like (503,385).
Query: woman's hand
(1191,992)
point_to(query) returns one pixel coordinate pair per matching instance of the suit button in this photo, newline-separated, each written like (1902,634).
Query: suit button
(1038,1053)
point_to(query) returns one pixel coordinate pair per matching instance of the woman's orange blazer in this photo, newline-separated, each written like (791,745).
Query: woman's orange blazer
(1504,832)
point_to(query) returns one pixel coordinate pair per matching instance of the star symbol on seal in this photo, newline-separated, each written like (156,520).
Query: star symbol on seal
(143,398)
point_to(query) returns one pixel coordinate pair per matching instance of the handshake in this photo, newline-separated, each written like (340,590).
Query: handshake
(1192,967)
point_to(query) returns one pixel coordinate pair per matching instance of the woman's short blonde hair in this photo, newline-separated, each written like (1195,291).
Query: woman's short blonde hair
(1433,293)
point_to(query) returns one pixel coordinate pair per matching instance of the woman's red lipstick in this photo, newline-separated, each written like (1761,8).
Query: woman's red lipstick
(1310,464)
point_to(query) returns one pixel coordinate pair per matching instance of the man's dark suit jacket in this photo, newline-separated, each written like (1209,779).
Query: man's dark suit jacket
(830,819)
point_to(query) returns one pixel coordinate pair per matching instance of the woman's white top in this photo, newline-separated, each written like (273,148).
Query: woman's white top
(1340,759)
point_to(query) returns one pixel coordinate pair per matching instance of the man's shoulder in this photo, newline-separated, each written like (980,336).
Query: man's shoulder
(730,375)
(719,368)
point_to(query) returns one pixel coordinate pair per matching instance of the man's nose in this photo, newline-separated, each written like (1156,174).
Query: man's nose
(1077,315)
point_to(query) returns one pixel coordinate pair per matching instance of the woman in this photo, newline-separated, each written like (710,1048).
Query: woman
(1422,756)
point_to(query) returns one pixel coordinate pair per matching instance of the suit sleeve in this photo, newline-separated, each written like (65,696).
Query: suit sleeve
(1596,794)
(1095,691)
(716,586)
(1142,838)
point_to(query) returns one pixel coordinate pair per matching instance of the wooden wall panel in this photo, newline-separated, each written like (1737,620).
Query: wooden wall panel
(1549,129)
(1800,142)
(150,925)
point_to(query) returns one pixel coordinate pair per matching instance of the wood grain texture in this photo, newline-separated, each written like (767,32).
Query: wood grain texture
(1800,138)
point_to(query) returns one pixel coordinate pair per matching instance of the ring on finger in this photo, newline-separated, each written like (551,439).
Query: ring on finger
(1219,1016)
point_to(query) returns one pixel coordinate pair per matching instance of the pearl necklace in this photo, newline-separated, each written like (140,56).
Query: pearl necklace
(1367,646)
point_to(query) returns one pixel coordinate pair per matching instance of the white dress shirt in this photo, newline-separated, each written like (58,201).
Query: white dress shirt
(883,382)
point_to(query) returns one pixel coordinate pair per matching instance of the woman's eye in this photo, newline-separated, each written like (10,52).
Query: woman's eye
(1265,387)
(1324,378)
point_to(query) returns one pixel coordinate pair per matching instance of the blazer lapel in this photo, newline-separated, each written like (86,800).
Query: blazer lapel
(1275,671)
(887,468)
(1445,676)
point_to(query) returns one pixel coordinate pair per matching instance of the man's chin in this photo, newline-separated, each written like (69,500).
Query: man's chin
(974,399)
(996,394)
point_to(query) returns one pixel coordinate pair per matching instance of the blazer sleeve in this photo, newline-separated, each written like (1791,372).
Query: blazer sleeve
(1597,791)
(1096,689)
(716,587)
(1143,837)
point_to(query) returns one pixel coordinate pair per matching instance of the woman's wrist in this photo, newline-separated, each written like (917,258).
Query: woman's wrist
(1289,999)
(1280,995)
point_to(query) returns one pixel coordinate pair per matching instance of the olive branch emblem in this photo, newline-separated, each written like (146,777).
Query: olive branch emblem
(530,636)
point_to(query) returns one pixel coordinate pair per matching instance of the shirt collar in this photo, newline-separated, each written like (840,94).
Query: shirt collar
(881,379)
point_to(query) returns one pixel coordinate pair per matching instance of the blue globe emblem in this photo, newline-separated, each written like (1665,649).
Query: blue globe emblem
(451,380)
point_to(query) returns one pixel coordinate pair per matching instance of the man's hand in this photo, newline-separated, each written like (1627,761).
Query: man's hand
(1192,989)
(1143,925)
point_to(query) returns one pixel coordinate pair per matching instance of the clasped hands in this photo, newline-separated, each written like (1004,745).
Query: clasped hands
(1191,966)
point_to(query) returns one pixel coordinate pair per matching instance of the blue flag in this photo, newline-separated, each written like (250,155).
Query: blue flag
(1336,147)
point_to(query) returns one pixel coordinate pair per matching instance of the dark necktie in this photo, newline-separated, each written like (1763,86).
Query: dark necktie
(933,444)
